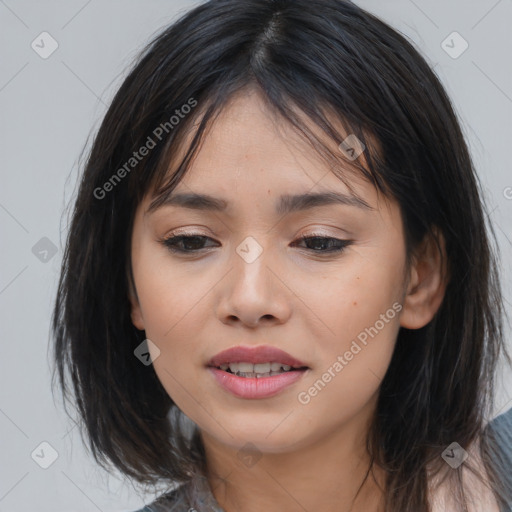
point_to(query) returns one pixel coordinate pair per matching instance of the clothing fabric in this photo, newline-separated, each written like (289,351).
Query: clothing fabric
(501,430)
(196,496)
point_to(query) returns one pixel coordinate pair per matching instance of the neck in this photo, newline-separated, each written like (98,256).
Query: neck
(331,474)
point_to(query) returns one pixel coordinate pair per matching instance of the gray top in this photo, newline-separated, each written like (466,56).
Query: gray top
(501,428)
(196,496)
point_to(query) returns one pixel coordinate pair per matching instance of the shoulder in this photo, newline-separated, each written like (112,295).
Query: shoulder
(174,501)
(194,495)
(477,486)
(499,433)
(501,429)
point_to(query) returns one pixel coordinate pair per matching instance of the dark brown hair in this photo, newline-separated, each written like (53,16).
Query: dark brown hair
(319,58)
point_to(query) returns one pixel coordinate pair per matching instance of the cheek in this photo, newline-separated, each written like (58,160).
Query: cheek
(170,294)
(352,365)
(171,309)
(361,307)
(175,301)
(353,297)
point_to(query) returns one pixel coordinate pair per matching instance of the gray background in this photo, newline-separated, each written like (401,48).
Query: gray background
(49,107)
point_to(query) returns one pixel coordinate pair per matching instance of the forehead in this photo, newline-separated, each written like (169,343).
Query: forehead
(248,134)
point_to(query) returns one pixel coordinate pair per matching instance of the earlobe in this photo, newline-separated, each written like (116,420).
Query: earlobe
(136,316)
(135,310)
(427,283)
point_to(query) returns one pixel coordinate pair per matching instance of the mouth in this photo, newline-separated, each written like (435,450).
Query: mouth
(256,372)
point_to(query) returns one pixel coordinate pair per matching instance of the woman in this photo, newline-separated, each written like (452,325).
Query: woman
(280,213)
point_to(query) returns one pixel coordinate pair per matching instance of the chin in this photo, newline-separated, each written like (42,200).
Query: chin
(262,437)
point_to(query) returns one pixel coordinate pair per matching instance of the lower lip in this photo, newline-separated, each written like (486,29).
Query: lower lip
(253,387)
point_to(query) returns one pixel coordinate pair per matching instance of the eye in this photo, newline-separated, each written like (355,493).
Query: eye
(325,244)
(194,243)
(189,243)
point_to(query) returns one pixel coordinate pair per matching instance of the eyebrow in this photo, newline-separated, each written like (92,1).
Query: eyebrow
(285,205)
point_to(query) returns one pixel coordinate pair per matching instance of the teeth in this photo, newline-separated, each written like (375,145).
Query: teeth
(241,367)
(256,370)
(262,368)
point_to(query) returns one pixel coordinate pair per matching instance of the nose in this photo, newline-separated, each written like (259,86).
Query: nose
(254,292)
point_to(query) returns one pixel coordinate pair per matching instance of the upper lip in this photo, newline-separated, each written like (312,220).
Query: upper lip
(254,355)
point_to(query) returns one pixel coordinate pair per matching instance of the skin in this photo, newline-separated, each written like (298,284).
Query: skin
(310,456)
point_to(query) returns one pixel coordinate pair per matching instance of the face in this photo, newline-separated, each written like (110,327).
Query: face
(323,282)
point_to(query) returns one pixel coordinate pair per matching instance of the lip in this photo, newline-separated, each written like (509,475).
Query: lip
(254,355)
(256,387)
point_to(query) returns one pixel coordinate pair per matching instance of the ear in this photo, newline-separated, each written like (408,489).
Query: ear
(427,282)
(135,311)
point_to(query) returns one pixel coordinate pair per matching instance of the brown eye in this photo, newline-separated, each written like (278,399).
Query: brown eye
(323,244)
(186,243)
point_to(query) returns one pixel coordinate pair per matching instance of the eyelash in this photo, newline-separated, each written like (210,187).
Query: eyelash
(170,243)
